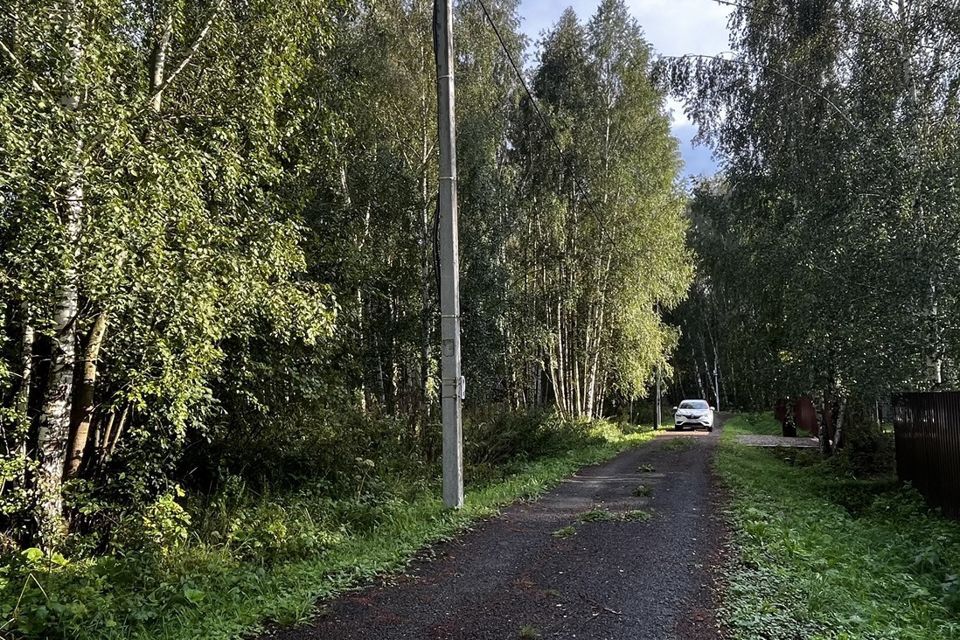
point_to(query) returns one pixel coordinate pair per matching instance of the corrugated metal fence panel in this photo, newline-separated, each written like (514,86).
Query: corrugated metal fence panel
(927,434)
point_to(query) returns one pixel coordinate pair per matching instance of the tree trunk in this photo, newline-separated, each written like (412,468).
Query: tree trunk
(85,388)
(716,368)
(658,411)
(22,394)
(111,435)
(825,424)
(593,354)
(838,432)
(83,396)
(696,366)
(53,422)
(158,61)
(425,300)
(102,435)
(395,401)
(560,390)
(20,401)
(118,431)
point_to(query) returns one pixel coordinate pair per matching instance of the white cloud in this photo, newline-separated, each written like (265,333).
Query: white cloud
(678,27)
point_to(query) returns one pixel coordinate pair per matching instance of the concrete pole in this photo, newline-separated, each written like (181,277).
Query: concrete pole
(452,385)
(659,418)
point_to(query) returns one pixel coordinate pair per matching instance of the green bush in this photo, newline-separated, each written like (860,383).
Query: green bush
(494,438)
(214,566)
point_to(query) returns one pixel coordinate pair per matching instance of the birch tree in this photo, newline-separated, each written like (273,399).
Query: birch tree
(607,224)
(838,122)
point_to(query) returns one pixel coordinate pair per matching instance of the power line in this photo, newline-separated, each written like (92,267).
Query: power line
(516,70)
(543,119)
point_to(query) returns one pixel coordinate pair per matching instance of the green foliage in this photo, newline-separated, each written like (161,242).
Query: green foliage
(823,554)
(600,514)
(600,241)
(494,436)
(822,247)
(642,491)
(529,633)
(636,515)
(254,557)
(219,298)
(597,514)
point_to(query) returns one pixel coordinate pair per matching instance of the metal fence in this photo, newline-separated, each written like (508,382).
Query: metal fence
(927,428)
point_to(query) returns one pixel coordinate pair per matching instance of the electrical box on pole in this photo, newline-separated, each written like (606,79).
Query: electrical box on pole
(452,384)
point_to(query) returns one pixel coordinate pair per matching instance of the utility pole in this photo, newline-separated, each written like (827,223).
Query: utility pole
(452,384)
(658,419)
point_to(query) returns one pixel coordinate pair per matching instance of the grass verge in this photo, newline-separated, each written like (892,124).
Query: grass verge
(202,591)
(821,553)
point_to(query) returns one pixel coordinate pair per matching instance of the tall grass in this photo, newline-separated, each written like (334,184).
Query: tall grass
(821,551)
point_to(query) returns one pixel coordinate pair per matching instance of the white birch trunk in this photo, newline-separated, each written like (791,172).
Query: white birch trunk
(53,425)
(838,432)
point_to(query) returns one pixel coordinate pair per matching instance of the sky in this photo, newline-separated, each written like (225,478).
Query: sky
(673,27)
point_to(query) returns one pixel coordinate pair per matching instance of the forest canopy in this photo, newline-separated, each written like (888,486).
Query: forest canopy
(827,248)
(218,242)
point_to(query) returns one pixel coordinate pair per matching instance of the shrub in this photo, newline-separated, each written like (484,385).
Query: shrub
(493,438)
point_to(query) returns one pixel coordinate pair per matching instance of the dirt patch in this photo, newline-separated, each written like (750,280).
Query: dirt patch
(778,442)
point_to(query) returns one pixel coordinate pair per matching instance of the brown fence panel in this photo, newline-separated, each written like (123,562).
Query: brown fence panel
(927,431)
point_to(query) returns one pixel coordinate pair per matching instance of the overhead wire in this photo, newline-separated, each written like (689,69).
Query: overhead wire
(551,132)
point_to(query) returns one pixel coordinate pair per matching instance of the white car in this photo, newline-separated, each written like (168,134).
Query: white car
(693,413)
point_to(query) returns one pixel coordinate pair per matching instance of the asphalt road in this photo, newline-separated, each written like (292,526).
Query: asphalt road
(511,577)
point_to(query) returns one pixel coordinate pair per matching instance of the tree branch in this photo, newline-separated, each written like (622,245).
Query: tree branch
(23,69)
(840,112)
(191,52)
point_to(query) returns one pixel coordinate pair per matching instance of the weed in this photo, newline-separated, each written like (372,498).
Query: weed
(529,633)
(269,557)
(645,468)
(599,514)
(642,491)
(636,515)
(564,532)
(822,554)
